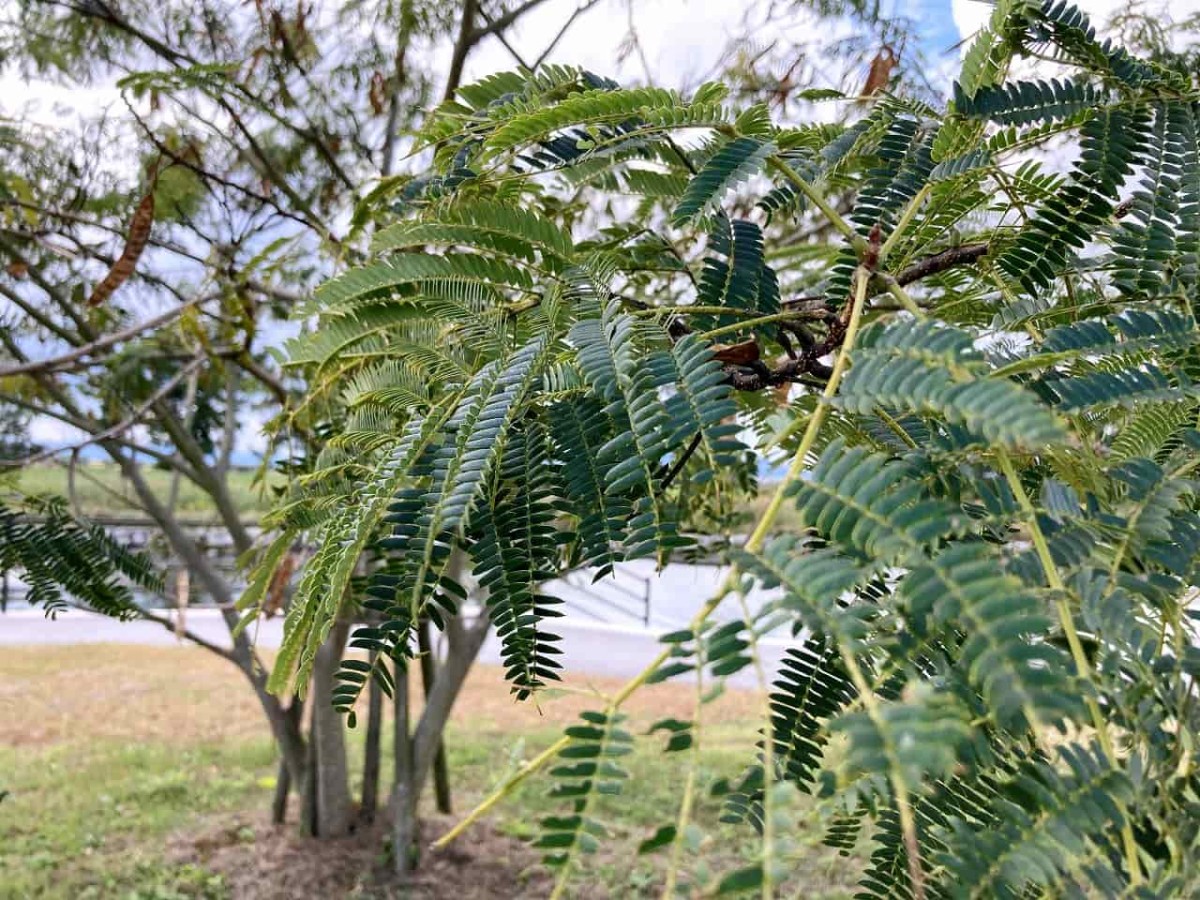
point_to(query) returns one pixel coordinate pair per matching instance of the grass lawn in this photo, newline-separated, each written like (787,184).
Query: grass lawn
(102,489)
(124,763)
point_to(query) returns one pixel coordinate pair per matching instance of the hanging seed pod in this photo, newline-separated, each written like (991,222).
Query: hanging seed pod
(135,243)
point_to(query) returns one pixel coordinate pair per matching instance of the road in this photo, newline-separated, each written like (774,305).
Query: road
(604,630)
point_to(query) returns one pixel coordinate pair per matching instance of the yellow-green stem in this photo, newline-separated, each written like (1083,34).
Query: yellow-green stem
(1067,621)
(895,427)
(857,241)
(768,755)
(751,323)
(908,824)
(753,543)
(689,790)
(903,298)
(905,220)
(698,310)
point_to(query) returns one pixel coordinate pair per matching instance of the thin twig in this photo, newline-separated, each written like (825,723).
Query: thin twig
(57,363)
(121,426)
(677,467)
(579,10)
(500,23)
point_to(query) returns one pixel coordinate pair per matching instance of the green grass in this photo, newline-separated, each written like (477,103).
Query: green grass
(96,825)
(101,489)
(91,823)
(117,758)
(651,798)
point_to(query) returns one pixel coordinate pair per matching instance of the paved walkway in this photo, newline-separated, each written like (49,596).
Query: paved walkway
(608,628)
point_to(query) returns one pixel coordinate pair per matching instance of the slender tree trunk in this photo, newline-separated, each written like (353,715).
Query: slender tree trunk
(329,781)
(287,733)
(404,820)
(308,790)
(283,781)
(464,642)
(370,784)
(441,772)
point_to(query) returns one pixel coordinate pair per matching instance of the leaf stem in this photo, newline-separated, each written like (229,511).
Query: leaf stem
(695,309)
(510,784)
(903,298)
(905,221)
(752,323)
(753,543)
(908,824)
(689,790)
(1067,620)
(857,241)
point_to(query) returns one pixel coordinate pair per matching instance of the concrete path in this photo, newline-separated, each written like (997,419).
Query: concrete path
(618,648)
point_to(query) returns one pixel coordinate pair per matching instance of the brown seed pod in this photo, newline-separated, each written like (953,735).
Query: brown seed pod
(378,93)
(736,354)
(880,73)
(277,592)
(135,243)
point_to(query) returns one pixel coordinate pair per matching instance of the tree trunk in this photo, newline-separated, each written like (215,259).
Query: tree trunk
(441,772)
(308,789)
(464,642)
(370,784)
(283,781)
(329,783)
(287,733)
(404,823)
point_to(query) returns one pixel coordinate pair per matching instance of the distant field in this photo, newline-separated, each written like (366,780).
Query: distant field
(101,489)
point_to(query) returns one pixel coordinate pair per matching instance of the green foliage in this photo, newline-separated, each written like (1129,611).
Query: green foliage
(61,558)
(992,483)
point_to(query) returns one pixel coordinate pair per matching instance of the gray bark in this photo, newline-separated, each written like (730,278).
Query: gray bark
(404,806)
(429,666)
(283,781)
(287,733)
(329,781)
(464,642)
(371,753)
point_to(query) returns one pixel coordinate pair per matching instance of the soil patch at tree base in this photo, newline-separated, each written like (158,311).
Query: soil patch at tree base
(260,861)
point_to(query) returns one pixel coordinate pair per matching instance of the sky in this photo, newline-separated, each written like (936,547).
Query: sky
(680,40)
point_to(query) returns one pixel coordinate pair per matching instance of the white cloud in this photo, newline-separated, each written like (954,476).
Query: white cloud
(47,432)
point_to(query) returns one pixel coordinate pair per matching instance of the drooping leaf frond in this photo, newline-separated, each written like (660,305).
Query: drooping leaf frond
(982,368)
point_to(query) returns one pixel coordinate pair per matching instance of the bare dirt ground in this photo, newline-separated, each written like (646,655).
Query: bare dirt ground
(260,862)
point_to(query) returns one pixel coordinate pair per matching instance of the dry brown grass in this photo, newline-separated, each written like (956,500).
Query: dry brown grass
(179,695)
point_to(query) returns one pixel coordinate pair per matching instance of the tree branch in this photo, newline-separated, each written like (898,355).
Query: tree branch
(499,24)
(186,633)
(164,389)
(940,262)
(462,46)
(57,363)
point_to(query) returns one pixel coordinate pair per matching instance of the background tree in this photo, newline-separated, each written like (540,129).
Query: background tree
(150,256)
(152,249)
(983,387)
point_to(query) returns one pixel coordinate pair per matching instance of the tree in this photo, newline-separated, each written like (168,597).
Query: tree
(983,385)
(140,298)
